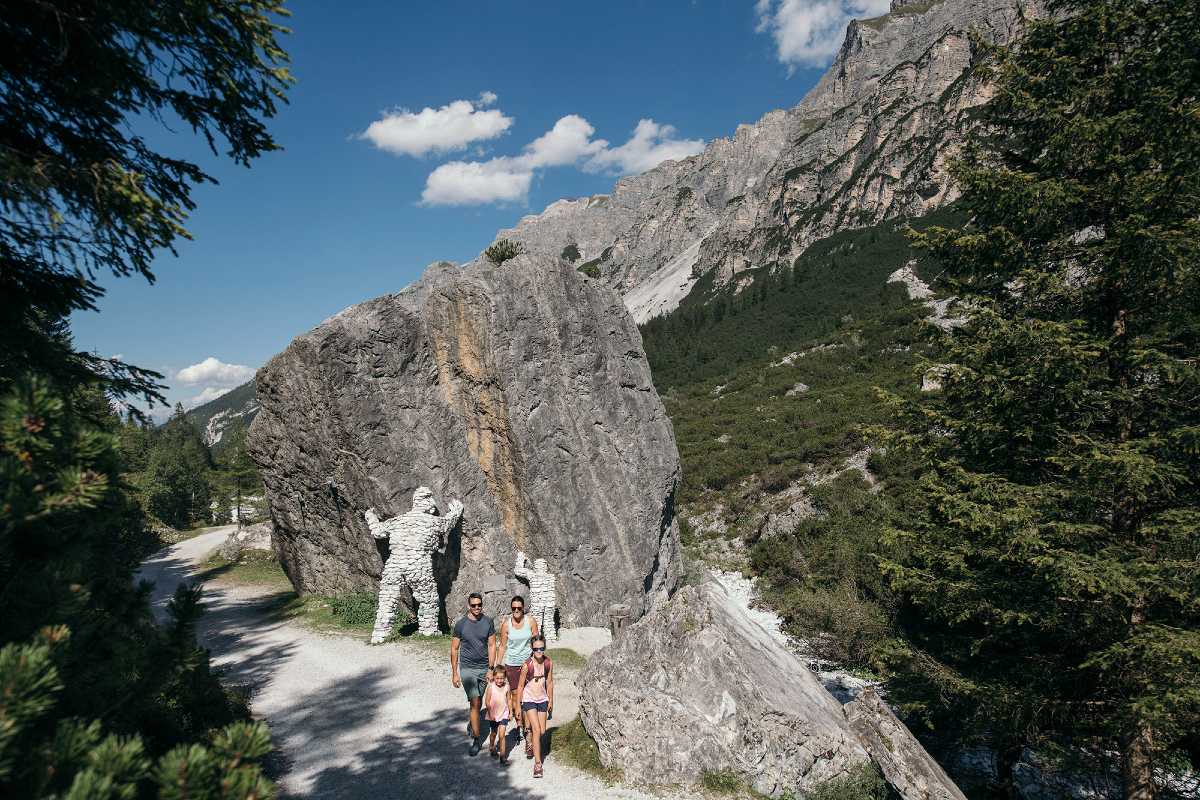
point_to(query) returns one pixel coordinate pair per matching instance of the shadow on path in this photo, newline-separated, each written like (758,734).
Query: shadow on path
(427,759)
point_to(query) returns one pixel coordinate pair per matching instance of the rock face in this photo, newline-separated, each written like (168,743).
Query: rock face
(699,686)
(901,758)
(520,390)
(870,142)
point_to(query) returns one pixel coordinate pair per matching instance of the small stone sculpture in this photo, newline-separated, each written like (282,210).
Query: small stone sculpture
(542,599)
(412,539)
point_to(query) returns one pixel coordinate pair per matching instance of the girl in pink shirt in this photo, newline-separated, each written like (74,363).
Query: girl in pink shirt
(495,706)
(537,699)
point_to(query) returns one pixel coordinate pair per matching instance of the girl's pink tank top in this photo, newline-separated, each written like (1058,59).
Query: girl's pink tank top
(535,682)
(495,700)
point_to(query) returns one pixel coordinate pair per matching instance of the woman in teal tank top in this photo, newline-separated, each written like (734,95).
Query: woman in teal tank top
(513,650)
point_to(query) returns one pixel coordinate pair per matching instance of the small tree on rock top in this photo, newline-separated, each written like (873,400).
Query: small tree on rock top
(503,250)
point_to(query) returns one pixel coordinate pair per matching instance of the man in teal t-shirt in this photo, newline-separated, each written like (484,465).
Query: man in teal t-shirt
(470,659)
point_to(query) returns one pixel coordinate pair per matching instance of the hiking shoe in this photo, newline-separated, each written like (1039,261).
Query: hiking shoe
(537,770)
(494,753)
(476,746)
(504,761)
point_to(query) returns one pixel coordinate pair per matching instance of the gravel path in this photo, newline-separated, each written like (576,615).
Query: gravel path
(356,721)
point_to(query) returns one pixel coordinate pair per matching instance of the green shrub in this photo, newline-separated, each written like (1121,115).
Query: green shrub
(591,268)
(862,783)
(503,250)
(570,253)
(355,608)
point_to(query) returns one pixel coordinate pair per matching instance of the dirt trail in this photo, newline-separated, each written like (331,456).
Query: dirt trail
(352,720)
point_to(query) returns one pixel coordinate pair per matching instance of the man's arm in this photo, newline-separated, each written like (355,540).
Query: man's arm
(454,679)
(492,651)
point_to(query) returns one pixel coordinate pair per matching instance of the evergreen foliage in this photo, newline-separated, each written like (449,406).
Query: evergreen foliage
(84,195)
(1053,559)
(89,684)
(177,483)
(96,700)
(503,250)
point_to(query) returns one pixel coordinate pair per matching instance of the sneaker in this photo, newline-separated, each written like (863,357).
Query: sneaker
(476,746)
(493,752)
(504,760)
(528,748)
(537,770)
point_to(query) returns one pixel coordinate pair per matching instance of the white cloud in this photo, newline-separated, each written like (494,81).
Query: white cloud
(462,183)
(212,371)
(438,130)
(569,142)
(209,393)
(650,145)
(810,32)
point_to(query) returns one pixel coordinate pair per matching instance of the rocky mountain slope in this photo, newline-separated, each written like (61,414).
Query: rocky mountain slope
(214,417)
(870,142)
(521,390)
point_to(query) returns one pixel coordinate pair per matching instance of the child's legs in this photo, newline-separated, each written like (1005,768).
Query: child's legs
(502,732)
(537,726)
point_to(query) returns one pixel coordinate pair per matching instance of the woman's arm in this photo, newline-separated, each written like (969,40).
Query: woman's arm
(501,642)
(521,682)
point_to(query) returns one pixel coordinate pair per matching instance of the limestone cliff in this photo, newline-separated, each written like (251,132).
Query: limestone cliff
(521,390)
(870,142)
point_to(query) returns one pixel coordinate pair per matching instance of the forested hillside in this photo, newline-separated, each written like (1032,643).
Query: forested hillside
(1011,553)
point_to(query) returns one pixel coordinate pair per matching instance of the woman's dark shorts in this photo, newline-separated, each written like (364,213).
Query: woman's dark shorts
(536,706)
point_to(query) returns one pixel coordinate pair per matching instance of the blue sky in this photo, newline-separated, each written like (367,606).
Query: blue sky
(337,218)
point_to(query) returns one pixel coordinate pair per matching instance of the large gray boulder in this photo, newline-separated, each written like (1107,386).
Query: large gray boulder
(699,686)
(521,390)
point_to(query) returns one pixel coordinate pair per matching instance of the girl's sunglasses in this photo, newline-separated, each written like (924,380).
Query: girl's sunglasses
(539,649)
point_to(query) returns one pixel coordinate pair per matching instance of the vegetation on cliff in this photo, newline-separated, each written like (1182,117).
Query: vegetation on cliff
(1021,564)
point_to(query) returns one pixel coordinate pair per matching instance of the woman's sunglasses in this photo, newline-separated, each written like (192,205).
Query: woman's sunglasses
(518,608)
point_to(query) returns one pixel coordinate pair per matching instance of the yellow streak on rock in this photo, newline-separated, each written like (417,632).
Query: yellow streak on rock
(470,389)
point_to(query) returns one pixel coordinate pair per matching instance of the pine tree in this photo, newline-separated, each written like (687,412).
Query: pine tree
(93,693)
(240,471)
(178,482)
(1054,559)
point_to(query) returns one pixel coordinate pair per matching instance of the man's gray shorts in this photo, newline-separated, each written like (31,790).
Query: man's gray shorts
(474,680)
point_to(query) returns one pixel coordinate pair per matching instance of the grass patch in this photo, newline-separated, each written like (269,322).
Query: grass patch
(252,567)
(863,783)
(566,658)
(722,781)
(574,746)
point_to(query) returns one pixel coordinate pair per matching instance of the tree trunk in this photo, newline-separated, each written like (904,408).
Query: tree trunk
(1138,765)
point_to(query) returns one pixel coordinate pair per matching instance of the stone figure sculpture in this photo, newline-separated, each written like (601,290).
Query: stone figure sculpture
(542,599)
(412,539)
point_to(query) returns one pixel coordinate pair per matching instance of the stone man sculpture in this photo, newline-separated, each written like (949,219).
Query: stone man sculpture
(412,539)
(542,599)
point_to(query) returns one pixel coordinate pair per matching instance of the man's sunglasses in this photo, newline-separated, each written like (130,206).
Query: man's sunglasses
(475,605)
